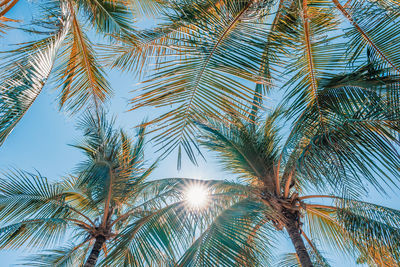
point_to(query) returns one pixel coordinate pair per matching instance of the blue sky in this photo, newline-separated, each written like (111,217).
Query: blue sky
(40,141)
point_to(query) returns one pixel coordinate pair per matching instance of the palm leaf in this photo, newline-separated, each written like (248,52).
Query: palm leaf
(108,16)
(375,32)
(292,260)
(4,25)
(72,255)
(373,227)
(40,232)
(246,148)
(357,227)
(225,242)
(204,72)
(359,129)
(24,75)
(82,79)
(6,6)
(151,239)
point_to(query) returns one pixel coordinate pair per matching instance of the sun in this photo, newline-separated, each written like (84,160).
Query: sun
(196,196)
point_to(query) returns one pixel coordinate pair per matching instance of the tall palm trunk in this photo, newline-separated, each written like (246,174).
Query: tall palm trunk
(94,254)
(294,232)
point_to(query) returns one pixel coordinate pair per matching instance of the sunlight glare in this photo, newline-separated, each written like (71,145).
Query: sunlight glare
(196,196)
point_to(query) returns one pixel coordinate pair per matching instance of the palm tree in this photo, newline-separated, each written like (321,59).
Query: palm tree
(309,186)
(107,210)
(59,48)
(210,54)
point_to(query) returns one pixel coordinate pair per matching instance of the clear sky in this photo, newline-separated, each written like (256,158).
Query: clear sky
(40,141)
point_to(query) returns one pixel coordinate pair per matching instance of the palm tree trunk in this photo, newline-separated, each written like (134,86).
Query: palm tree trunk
(295,235)
(94,254)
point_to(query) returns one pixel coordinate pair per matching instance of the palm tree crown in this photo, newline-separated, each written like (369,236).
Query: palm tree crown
(276,181)
(106,210)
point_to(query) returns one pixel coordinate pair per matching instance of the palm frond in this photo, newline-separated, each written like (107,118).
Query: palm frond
(323,227)
(225,242)
(373,227)
(25,195)
(81,78)
(151,239)
(72,255)
(108,16)
(375,32)
(147,8)
(313,55)
(356,227)
(244,148)
(203,78)
(137,51)
(38,233)
(114,161)
(4,25)
(26,71)
(292,260)
(358,133)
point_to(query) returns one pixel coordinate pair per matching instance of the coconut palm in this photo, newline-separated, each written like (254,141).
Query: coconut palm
(107,202)
(218,56)
(58,47)
(307,183)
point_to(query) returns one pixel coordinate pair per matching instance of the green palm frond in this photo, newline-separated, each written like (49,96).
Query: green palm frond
(147,8)
(36,233)
(313,55)
(358,227)
(151,239)
(26,71)
(244,148)
(289,260)
(373,227)
(81,78)
(212,54)
(30,196)
(108,16)
(204,71)
(230,237)
(292,260)
(23,195)
(37,213)
(72,255)
(375,32)
(322,226)
(359,128)
(115,164)
(136,52)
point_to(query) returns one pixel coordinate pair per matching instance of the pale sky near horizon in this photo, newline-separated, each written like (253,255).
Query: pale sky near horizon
(40,141)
